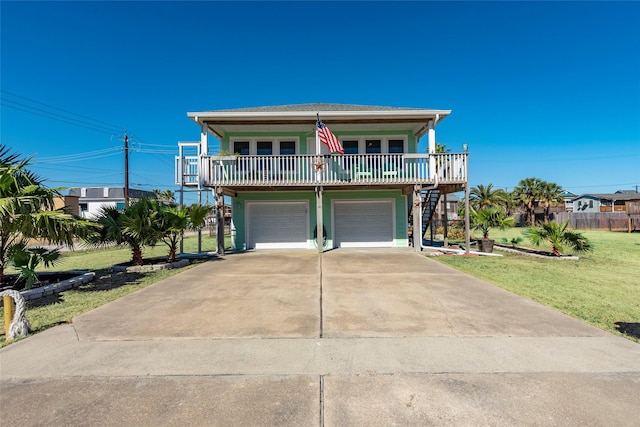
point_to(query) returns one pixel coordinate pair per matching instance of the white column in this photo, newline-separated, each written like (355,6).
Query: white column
(204,140)
(431,138)
(203,167)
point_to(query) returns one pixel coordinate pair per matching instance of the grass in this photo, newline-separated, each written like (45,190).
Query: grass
(601,288)
(106,287)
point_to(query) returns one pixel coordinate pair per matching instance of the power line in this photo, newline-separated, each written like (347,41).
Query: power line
(76,155)
(62,109)
(48,116)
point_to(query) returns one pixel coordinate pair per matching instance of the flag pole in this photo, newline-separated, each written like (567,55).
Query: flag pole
(317,136)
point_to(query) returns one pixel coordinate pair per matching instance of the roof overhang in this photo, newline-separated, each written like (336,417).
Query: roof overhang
(219,123)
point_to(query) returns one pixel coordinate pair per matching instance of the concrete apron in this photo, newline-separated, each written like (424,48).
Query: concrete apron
(352,337)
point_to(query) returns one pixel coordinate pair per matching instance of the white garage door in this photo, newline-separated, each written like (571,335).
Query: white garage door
(273,225)
(366,223)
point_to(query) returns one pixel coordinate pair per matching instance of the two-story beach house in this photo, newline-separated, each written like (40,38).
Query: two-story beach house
(288,191)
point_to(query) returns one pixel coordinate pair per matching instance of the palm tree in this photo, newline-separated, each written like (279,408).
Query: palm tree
(136,227)
(526,194)
(197,214)
(484,197)
(490,217)
(172,221)
(27,209)
(558,235)
(550,195)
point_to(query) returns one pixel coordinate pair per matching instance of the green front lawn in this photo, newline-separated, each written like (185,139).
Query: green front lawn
(601,288)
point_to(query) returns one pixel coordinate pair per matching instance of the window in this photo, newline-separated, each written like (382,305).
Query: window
(396,146)
(373,146)
(350,147)
(120,206)
(84,207)
(241,148)
(287,147)
(590,203)
(264,148)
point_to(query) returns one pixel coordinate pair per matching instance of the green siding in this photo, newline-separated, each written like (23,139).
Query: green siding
(302,137)
(239,203)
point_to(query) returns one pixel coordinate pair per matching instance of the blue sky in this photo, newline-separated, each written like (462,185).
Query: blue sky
(541,89)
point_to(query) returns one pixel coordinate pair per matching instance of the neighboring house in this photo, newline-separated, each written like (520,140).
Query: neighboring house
(91,199)
(282,190)
(451,208)
(615,202)
(67,203)
(568,197)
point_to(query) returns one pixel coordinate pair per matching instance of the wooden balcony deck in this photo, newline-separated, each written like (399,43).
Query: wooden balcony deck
(330,171)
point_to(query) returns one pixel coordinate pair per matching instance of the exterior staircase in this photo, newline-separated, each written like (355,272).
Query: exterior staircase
(430,200)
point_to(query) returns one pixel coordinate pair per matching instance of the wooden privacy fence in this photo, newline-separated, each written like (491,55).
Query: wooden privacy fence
(612,221)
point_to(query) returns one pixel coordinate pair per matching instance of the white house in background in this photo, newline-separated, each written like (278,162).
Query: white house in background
(91,199)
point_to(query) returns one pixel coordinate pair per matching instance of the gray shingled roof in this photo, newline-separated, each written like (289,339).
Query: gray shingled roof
(613,196)
(314,107)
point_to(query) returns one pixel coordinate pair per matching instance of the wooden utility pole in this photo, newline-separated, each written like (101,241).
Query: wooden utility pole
(126,169)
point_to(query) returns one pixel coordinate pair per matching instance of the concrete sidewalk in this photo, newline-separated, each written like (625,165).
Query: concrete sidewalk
(352,337)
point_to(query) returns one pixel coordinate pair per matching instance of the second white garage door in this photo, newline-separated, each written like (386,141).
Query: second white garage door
(273,225)
(363,223)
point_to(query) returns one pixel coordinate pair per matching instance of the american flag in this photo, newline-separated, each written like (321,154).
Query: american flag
(328,138)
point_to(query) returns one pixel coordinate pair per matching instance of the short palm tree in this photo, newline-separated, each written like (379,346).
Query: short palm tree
(197,214)
(557,236)
(491,217)
(171,221)
(135,226)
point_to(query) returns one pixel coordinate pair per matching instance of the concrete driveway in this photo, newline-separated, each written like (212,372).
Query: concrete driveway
(347,338)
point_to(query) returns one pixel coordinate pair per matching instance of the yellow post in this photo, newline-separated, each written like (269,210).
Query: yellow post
(9,309)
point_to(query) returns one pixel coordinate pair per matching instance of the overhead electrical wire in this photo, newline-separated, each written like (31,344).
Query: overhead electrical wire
(111,126)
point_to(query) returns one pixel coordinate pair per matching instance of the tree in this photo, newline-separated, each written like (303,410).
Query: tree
(550,195)
(484,197)
(26,260)
(490,217)
(135,226)
(197,214)
(558,235)
(172,221)
(27,209)
(526,194)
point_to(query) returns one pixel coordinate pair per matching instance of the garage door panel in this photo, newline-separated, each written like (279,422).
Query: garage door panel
(277,225)
(363,223)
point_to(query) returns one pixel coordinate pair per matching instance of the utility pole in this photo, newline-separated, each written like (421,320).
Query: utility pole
(126,169)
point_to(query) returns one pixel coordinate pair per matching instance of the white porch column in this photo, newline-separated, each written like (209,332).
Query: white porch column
(431,138)
(203,167)
(204,140)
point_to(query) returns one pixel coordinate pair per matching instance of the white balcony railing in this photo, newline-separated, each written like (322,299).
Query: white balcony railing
(304,170)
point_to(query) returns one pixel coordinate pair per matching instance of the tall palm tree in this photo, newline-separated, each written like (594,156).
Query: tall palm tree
(486,196)
(27,209)
(558,235)
(550,195)
(526,194)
